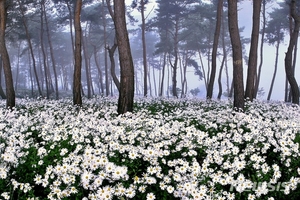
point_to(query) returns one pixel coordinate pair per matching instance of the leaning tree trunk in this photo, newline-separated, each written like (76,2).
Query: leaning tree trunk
(77,99)
(126,94)
(275,70)
(289,55)
(237,55)
(214,51)
(252,63)
(10,92)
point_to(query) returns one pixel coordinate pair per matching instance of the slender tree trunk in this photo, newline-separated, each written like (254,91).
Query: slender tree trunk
(224,62)
(10,92)
(275,70)
(43,53)
(30,74)
(105,52)
(220,77)
(237,55)
(154,81)
(203,70)
(71,27)
(51,52)
(161,91)
(87,67)
(288,57)
(214,51)
(144,47)
(261,47)
(99,71)
(2,93)
(18,68)
(30,48)
(252,63)
(77,99)
(175,65)
(111,52)
(126,94)
(149,84)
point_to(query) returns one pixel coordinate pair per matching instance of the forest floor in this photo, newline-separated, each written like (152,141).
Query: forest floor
(166,149)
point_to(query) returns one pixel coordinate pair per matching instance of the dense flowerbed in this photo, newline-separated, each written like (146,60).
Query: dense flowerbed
(165,149)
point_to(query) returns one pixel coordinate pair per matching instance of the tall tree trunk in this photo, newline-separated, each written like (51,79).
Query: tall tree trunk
(43,53)
(224,61)
(99,71)
(257,81)
(30,48)
(111,52)
(30,74)
(275,70)
(288,56)
(144,46)
(105,52)
(237,55)
(51,52)
(10,92)
(87,67)
(126,94)
(154,81)
(294,65)
(161,91)
(71,27)
(203,69)
(214,51)
(175,64)
(18,68)
(77,99)
(252,63)
(149,82)
(2,93)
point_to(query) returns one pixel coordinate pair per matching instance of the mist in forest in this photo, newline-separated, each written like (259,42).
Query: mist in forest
(40,42)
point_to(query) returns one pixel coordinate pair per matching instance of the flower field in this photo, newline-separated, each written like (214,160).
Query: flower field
(166,149)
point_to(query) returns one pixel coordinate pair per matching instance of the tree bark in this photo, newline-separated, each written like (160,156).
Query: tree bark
(2,93)
(144,47)
(238,84)
(99,71)
(275,70)
(77,99)
(10,92)
(252,63)
(175,64)
(161,89)
(257,81)
(214,51)
(51,52)
(30,48)
(105,52)
(126,94)
(288,57)
(111,52)
(43,52)
(87,65)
